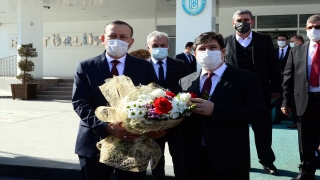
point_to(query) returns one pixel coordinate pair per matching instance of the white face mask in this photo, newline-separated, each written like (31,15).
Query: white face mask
(209,60)
(313,34)
(281,43)
(116,47)
(292,45)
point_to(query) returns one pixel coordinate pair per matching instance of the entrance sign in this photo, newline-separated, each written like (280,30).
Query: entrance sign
(193,7)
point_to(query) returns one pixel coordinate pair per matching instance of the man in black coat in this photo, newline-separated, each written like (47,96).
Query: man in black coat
(188,58)
(282,53)
(301,81)
(168,72)
(86,97)
(229,99)
(255,52)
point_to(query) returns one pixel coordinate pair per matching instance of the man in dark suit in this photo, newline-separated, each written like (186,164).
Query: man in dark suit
(255,52)
(301,81)
(219,124)
(86,97)
(188,58)
(282,53)
(168,72)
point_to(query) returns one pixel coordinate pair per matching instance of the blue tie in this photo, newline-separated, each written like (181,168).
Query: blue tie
(161,73)
(281,55)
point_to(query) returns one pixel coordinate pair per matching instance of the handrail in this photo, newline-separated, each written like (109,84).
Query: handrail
(8,66)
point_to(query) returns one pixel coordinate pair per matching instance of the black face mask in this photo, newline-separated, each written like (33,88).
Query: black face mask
(242,27)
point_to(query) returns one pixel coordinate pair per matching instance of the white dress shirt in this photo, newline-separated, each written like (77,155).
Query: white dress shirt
(311,50)
(156,66)
(120,66)
(244,42)
(284,51)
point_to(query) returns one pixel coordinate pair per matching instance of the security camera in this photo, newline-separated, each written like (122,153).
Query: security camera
(48,7)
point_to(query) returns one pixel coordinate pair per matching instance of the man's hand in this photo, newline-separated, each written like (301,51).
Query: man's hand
(203,107)
(157,134)
(286,110)
(275,96)
(121,133)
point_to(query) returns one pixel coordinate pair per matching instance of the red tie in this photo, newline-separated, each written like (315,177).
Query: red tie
(206,88)
(315,67)
(114,70)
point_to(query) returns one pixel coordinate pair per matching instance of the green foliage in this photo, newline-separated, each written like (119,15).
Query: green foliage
(26,51)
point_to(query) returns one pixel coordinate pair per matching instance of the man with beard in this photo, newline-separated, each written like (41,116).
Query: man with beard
(255,52)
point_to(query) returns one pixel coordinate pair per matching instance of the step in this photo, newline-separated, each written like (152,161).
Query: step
(59,89)
(59,93)
(66,81)
(65,84)
(53,97)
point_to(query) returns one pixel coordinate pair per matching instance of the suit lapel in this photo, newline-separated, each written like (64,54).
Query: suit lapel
(225,79)
(195,83)
(104,66)
(128,67)
(255,49)
(232,45)
(170,65)
(304,56)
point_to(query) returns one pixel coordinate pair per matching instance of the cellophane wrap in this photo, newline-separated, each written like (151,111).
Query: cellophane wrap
(130,156)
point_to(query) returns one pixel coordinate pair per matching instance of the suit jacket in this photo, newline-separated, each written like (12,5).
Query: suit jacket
(176,69)
(238,101)
(264,61)
(282,63)
(86,96)
(295,79)
(192,67)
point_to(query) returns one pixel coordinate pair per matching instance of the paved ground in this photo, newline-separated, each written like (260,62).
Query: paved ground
(42,134)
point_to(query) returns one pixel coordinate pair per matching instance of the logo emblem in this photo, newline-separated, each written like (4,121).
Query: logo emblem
(193,7)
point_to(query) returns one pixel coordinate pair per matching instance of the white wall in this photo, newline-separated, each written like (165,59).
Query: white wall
(60,61)
(225,14)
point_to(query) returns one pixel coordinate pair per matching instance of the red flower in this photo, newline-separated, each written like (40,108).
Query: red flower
(162,105)
(193,95)
(171,94)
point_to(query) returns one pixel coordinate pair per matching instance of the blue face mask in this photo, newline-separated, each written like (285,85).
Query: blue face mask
(159,53)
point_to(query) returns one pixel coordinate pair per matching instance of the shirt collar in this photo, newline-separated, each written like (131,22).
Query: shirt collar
(122,59)
(285,48)
(219,72)
(312,44)
(249,37)
(155,60)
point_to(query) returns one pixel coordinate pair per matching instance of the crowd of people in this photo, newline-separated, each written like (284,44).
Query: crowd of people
(239,77)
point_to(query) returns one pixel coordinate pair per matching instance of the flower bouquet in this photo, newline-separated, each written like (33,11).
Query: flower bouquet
(139,109)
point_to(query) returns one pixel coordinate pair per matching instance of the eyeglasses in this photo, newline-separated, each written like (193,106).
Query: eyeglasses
(316,27)
(243,20)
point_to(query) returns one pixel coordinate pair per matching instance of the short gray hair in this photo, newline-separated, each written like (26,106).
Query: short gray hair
(313,18)
(157,35)
(242,11)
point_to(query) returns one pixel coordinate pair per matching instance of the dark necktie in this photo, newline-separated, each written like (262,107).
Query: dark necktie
(161,74)
(315,67)
(281,55)
(206,88)
(114,70)
(190,58)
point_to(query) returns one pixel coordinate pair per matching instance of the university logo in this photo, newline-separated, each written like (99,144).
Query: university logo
(193,7)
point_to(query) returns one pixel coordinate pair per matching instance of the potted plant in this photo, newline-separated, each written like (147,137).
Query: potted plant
(26,90)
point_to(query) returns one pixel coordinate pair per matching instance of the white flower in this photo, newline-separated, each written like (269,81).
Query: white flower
(185,97)
(158,93)
(135,110)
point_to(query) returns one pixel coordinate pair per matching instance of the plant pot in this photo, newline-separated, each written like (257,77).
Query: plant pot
(24,91)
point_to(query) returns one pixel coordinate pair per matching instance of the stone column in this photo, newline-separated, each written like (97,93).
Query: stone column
(30,30)
(188,27)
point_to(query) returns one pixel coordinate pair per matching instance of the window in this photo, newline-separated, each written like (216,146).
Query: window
(277,21)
